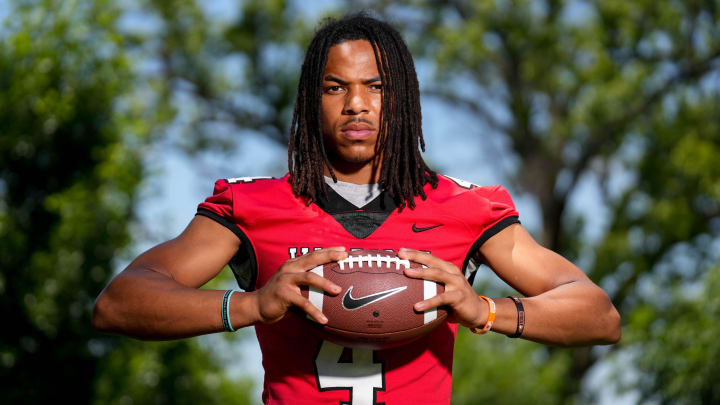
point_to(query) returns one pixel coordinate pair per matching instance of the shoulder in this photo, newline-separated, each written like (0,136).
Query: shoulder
(246,187)
(242,194)
(478,208)
(253,184)
(453,188)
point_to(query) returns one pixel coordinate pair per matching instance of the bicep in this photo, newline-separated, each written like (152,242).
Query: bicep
(193,258)
(525,265)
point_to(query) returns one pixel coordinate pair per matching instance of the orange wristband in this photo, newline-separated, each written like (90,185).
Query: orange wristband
(491,317)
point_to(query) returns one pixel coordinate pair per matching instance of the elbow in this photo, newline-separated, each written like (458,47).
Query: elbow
(614,328)
(609,330)
(605,330)
(606,326)
(101,318)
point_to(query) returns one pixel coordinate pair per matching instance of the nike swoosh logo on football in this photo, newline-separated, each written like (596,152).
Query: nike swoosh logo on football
(351,303)
(427,228)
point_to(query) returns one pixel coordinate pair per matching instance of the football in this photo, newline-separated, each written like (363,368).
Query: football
(375,308)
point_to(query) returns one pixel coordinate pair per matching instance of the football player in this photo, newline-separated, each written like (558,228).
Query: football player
(356,180)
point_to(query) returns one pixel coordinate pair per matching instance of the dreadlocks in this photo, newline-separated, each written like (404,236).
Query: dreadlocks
(404,172)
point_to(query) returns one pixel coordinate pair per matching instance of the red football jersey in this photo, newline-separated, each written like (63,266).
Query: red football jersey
(274,225)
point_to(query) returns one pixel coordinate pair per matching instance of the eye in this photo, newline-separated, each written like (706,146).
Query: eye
(333,89)
(376,87)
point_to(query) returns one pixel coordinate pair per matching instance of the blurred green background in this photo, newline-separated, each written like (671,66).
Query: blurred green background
(601,117)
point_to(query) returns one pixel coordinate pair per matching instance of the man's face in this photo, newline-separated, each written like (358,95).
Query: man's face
(351,106)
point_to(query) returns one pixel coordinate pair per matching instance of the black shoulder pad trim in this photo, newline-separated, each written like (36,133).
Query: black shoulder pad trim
(489,233)
(222,221)
(245,254)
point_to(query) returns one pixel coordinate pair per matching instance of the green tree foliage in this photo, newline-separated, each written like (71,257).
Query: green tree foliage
(624,94)
(679,345)
(496,372)
(665,235)
(240,73)
(74,118)
(176,372)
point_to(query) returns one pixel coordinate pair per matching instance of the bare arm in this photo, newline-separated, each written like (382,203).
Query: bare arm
(157,298)
(563,307)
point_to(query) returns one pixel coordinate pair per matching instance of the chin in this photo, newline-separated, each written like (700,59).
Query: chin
(359,156)
(352,163)
(360,159)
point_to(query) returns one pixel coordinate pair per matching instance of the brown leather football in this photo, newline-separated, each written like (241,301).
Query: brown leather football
(375,308)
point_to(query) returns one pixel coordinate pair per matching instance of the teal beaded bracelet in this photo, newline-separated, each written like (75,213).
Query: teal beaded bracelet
(225,311)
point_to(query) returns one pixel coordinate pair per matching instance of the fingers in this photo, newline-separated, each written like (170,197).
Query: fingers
(313,280)
(436,274)
(314,259)
(272,306)
(309,308)
(448,298)
(427,260)
(465,306)
(458,296)
(295,271)
(282,290)
(456,287)
(436,269)
(281,293)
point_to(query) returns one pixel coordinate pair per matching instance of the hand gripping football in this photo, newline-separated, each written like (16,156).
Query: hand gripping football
(375,308)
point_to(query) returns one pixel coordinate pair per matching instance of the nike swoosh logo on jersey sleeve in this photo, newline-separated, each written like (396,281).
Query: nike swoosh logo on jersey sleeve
(351,303)
(427,228)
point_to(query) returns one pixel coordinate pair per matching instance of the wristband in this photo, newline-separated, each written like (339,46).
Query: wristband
(491,317)
(225,311)
(521,317)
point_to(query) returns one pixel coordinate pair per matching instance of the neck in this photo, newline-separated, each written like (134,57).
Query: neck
(367,173)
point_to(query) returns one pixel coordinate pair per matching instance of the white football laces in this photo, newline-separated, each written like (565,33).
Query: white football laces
(378,259)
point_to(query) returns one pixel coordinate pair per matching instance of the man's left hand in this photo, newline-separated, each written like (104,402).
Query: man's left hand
(467,307)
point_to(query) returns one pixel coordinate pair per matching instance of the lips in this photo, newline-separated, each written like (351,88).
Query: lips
(357,131)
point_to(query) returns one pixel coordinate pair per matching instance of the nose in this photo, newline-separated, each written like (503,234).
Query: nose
(356,101)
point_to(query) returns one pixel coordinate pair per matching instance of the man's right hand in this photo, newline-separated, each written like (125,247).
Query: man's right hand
(282,290)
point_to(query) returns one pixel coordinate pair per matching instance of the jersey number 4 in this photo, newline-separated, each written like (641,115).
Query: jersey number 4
(355,370)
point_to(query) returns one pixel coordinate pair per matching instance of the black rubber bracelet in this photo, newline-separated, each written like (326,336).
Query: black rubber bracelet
(521,317)
(224,311)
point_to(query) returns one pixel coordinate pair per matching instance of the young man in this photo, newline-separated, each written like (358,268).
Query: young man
(356,180)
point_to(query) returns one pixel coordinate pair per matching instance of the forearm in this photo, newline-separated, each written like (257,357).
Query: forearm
(572,314)
(150,305)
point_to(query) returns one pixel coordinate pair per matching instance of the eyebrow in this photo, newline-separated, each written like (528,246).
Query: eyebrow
(331,78)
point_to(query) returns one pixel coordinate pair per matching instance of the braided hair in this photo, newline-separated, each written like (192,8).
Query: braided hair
(404,172)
